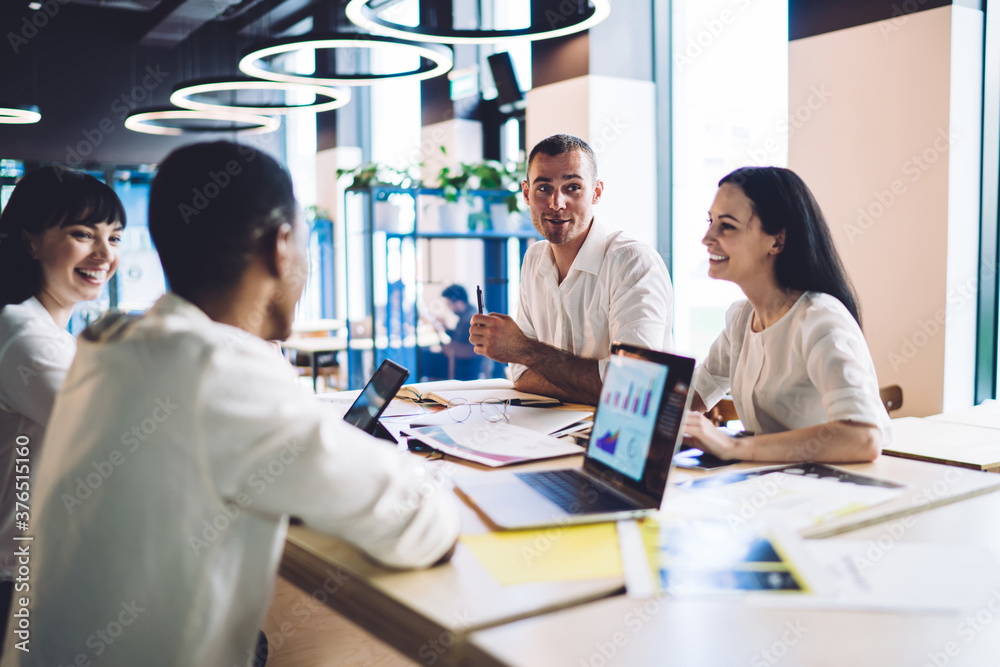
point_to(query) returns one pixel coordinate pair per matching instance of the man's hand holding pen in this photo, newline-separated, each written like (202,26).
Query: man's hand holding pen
(498,337)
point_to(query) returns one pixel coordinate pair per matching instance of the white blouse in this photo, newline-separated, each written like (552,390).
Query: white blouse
(176,450)
(810,367)
(35,354)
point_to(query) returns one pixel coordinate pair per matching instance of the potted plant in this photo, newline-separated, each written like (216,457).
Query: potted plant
(493,175)
(487,175)
(374,174)
(454,214)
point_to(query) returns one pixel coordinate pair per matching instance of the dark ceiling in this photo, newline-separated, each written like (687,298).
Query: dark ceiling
(88,63)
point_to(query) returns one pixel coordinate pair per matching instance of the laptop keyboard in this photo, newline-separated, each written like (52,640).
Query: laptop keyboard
(574,492)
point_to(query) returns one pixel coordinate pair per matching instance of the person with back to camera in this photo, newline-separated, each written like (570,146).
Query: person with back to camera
(792,354)
(211,442)
(59,245)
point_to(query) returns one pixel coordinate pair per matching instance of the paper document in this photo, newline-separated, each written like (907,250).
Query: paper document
(639,541)
(769,565)
(422,391)
(986,414)
(561,553)
(535,419)
(480,395)
(973,442)
(342,401)
(900,576)
(804,495)
(686,556)
(492,444)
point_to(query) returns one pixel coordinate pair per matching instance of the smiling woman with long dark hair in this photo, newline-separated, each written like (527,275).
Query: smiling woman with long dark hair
(59,238)
(792,354)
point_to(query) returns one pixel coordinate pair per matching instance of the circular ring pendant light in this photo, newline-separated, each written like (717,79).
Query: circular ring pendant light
(187,96)
(436,59)
(558,23)
(19,115)
(154,121)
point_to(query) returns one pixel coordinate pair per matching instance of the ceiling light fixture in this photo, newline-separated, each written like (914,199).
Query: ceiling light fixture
(20,115)
(436,59)
(569,22)
(186,96)
(146,121)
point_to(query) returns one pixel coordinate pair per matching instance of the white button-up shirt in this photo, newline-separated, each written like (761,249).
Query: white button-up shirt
(176,450)
(35,354)
(617,289)
(810,367)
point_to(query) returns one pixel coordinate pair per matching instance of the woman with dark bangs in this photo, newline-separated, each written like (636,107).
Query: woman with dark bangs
(59,244)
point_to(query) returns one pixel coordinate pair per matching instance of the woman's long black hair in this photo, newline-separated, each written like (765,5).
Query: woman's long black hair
(45,198)
(809,261)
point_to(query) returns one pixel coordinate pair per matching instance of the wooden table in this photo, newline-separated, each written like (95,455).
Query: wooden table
(427,612)
(626,631)
(458,614)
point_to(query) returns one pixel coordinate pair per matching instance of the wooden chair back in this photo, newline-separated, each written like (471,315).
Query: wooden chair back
(892,397)
(723,412)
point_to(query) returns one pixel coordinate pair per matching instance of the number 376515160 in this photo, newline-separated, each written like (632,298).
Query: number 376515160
(22,483)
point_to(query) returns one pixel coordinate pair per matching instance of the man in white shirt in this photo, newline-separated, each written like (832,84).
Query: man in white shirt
(181,442)
(582,289)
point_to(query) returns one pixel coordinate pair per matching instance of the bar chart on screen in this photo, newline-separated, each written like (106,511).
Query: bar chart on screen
(636,401)
(625,422)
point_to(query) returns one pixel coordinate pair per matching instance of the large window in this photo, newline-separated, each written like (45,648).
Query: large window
(140,275)
(730,109)
(987,368)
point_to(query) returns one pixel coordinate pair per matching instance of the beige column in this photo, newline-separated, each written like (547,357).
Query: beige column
(884,124)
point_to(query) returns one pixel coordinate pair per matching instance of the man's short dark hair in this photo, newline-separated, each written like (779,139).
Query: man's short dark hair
(211,206)
(455,293)
(558,144)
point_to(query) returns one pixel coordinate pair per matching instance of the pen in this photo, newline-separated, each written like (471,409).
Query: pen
(531,403)
(479,297)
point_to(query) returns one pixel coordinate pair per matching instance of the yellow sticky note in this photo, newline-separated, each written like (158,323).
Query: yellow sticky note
(560,553)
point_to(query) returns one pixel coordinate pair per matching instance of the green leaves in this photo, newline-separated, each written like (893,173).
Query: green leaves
(376,173)
(486,175)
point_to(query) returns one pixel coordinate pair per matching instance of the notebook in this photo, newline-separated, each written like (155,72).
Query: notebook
(637,428)
(374,399)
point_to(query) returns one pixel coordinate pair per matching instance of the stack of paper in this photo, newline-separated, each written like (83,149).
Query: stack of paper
(535,419)
(444,397)
(764,563)
(804,495)
(492,444)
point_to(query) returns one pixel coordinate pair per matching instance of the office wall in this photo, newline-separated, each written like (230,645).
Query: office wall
(885,128)
(599,86)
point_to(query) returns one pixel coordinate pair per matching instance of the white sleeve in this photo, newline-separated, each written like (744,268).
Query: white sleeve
(713,376)
(523,318)
(839,365)
(640,311)
(33,366)
(269,438)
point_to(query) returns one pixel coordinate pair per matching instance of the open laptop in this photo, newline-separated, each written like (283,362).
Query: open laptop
(374,399)
(637,429)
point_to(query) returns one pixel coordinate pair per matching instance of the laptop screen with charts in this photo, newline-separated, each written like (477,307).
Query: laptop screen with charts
(375,397)
(637,429)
